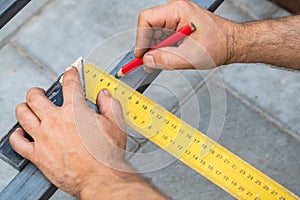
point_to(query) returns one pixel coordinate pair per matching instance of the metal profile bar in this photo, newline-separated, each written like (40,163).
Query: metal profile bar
(9,8)
(30,183)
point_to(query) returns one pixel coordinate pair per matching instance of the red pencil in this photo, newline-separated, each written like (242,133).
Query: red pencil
(172,39)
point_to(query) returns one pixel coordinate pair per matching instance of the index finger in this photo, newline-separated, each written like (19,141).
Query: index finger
(72,89)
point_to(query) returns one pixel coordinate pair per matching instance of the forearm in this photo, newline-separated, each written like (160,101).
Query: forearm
(275,42)
(117,185)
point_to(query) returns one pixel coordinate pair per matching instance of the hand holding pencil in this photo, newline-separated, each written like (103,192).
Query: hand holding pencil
(173,39)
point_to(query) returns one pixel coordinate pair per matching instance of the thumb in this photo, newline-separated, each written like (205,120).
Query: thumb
(168,58)
(110,108)
(21,144)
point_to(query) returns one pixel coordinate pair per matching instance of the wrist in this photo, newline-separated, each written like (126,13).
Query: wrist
(111,183)
(101,181)
(235,51)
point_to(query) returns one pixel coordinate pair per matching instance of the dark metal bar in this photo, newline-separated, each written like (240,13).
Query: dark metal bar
(30,183)
(210,5)
(9,8)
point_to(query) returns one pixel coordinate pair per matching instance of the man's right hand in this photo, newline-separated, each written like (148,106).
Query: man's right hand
(208,47)
(216,41)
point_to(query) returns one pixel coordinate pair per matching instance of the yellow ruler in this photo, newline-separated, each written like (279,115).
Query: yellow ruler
(186,143)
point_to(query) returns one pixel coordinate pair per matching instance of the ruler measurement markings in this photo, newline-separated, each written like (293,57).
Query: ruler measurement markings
(242,188)
(226,177)
(186,143)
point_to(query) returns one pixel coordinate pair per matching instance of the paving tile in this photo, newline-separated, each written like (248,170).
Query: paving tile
(263,145)
(17,75)
(59,194)
(259,83)
(229,10)
(244,10)
(19,19)
(56,39)
(280,13)
(272,89)
(7,173)
(245,133)
(131,147)
(258,9)
(14,82)
(135,135)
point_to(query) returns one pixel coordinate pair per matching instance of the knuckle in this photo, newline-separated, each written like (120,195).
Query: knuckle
(12,138)
(23,118)
(143,14)
(71,73)
(20,111)
(20,108)
(180,3)
(33,94)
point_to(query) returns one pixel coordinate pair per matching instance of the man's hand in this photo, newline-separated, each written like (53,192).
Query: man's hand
(78,150)
(208,47)
(216,41)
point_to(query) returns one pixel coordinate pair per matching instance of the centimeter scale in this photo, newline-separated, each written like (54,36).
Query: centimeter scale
(178,138)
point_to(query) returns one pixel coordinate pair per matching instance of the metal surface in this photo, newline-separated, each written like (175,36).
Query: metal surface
(9,8)
(30,182)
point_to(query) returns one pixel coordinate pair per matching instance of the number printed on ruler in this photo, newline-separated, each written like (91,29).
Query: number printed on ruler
(184,142)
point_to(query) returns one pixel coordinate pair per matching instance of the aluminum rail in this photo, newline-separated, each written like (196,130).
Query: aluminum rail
(9,8)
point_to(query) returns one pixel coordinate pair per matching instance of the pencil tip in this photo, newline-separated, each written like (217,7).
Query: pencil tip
(116,76)
(192,26)
(119,74)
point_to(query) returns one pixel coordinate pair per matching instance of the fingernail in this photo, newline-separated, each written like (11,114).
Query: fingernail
(149,61)
(148,70)
(68,68)
(106,92)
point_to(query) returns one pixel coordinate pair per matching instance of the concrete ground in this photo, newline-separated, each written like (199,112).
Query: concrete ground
(262,108)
